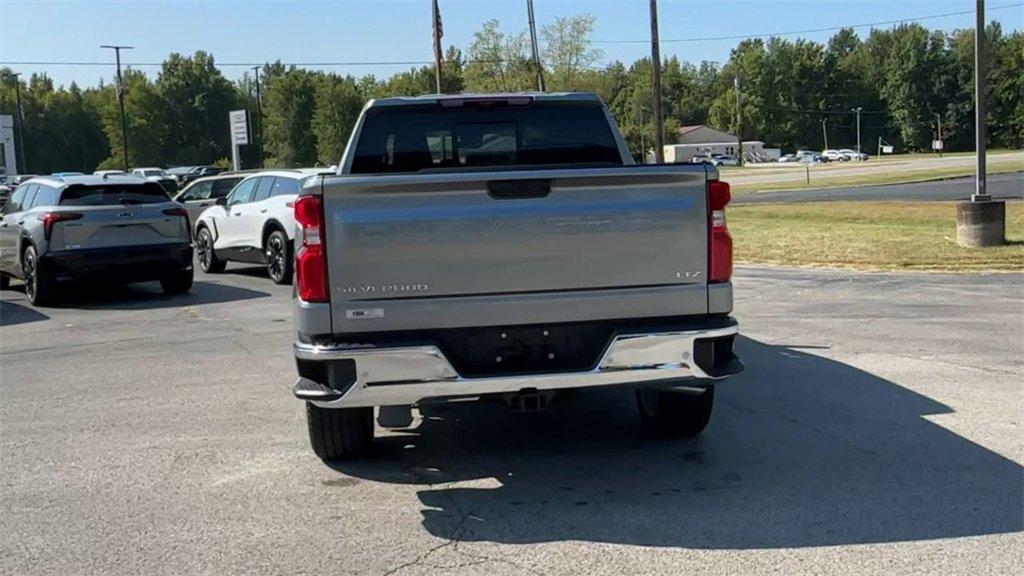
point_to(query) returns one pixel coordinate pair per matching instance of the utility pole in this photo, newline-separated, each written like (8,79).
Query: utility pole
(534,47)
(259,114)
(938,126)
(643,146)
(659,120)
(21,123)
(857,110)
(739,120)
(824,133)
(120,100)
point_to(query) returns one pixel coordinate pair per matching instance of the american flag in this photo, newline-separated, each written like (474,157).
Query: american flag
(438,33)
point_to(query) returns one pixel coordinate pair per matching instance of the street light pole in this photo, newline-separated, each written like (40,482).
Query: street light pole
(21,122)
(120,100)
(824,133)
(659,119)
(980,115)
(980,221)
(938,127)
(259,114)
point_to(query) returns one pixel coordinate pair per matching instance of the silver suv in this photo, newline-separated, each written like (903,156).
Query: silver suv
(119,228)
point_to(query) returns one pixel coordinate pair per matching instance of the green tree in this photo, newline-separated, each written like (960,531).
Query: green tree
(567,51)
(198,99)
(288,115)
(498,62)
(147,120)
(338,103)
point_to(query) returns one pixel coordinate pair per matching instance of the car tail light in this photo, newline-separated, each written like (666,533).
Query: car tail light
(50,218)
(184,214)
(311,258)
(720,242)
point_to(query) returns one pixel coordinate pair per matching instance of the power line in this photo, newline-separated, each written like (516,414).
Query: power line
(809,30)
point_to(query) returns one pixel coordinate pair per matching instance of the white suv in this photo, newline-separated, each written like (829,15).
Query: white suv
(255,223)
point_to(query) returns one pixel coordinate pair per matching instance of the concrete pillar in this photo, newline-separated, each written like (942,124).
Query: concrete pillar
(981,223)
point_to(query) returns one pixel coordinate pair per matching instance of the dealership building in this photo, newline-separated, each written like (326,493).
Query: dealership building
(701,140)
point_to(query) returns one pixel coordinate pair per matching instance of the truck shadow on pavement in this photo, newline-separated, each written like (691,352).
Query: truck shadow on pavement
(802,451)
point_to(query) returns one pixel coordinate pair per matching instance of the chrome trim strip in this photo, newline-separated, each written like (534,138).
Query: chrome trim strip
(423,372)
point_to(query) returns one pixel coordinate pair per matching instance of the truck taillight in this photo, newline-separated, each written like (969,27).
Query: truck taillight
(311,259)
(720,243)
(50,218)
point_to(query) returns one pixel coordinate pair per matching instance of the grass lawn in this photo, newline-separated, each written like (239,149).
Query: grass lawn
(869,235)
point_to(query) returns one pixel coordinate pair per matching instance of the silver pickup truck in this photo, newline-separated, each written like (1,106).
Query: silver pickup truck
(506,246)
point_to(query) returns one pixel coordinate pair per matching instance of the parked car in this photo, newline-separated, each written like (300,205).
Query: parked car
(124,229)
(725,160)
(849,154)
(529,256)
(789,158)
(198,172)
(110,173)
(702,159)
(833,156)
(200,194)
(169,183)
(255,223)
(810,157)
(66,174)
(178,171)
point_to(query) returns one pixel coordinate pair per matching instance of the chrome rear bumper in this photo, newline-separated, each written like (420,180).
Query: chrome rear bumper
(407,375)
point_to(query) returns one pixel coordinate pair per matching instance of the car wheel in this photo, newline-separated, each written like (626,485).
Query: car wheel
(339,433)
(177,283)
(674,413)
(5,282)
(38,287)
(208,260)
(279,257)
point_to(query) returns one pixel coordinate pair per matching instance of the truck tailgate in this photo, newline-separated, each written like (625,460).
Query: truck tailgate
(443,248)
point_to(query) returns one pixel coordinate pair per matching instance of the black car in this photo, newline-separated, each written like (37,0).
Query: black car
(198,172)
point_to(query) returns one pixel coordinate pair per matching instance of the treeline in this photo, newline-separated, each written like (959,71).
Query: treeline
(904,79)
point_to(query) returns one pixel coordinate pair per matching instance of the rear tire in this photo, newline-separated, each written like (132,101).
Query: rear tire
(177,283)
(341,433)
(674,413)
(205,253)
(5,282)
(278,252)
(39,288)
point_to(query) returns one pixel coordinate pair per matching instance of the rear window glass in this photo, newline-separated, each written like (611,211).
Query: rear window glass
(113,194)
(414,138)
(285,186)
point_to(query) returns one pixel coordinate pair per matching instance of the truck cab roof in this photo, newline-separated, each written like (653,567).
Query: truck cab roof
(454,98)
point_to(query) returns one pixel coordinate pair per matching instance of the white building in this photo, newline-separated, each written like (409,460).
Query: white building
(700,139)
(8,166)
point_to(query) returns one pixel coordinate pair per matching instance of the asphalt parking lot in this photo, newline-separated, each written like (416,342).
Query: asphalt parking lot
(877,430)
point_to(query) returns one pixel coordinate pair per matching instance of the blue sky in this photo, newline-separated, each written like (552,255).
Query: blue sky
(375,31)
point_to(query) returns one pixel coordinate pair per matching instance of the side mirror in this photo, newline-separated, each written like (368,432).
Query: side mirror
(222,201)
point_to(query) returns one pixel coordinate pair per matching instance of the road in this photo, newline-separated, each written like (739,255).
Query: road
(877,430)
(920,166)
(1001,186)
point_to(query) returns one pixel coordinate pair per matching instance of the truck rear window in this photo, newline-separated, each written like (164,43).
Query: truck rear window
(113,194)
(421,137)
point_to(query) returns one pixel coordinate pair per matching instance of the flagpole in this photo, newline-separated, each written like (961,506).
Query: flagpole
(438,31)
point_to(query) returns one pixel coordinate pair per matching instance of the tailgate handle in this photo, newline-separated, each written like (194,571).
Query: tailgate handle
(507,189)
